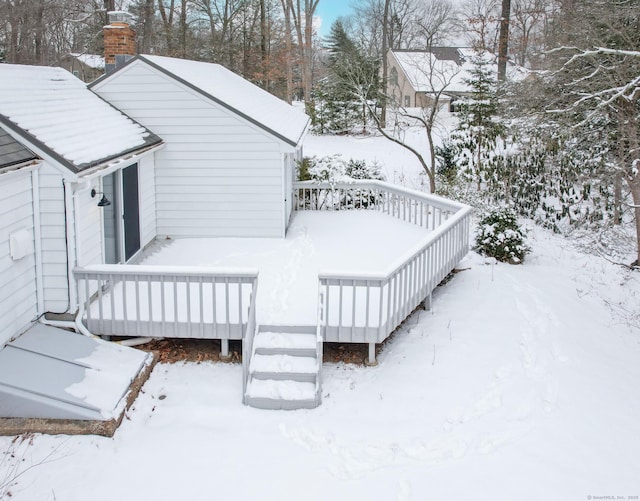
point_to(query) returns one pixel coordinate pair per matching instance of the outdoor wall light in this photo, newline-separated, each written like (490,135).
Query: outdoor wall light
(104,201)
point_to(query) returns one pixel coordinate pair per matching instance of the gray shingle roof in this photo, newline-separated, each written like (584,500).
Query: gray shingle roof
(12,152)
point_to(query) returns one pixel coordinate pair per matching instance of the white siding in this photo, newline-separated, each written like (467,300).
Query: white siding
(88,227)
(53,241)
(218,175)
(146,179)
(18,288)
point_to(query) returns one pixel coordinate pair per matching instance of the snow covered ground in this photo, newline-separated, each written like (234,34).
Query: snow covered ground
(522,383)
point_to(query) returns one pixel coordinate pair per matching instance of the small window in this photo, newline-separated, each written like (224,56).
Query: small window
(407,101)
(394,76)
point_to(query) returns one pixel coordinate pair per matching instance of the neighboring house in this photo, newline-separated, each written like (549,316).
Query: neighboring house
(87,67)
(231,147)
(416,76)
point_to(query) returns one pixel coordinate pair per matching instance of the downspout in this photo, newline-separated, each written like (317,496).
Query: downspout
(71,245)
(37,235)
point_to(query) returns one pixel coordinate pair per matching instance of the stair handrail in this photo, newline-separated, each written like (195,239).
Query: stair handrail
(247,342)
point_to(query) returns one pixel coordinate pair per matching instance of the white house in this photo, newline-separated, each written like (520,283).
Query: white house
(83,184)
(163,147)
(87,148)
(64,149)
(231,147)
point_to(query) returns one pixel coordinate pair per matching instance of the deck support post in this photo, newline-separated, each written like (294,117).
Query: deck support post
(427,302)
(371,359)
(224,350)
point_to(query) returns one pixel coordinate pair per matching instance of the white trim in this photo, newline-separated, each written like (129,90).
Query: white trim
(10,172)
(283,177)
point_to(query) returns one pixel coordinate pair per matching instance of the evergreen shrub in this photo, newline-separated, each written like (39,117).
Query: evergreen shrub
(500,236)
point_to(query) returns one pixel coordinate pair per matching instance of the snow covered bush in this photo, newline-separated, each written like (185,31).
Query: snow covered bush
(499,235)
(335,169)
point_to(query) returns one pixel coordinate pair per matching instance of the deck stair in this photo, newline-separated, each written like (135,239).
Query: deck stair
(284,369)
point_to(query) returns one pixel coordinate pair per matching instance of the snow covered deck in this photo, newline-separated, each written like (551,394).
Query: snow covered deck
(359,241)
(357,259)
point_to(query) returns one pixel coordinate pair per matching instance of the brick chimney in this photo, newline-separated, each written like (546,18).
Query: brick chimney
(119,40)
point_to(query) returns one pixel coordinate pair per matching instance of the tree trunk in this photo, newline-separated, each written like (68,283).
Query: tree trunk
(503,41)
(385,74)
(634,184)
(263,45)
(167,22)
(147,27)
(287,8)
(183,29)
(307,70)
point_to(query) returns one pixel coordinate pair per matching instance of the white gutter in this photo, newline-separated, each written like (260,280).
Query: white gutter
(114,165)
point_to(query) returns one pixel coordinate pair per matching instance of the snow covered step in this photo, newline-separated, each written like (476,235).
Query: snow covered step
(281,395)
(285,343)
(283,367)
(283,371)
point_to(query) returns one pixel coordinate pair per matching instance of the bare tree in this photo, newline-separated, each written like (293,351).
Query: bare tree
(527,27)
(481,19)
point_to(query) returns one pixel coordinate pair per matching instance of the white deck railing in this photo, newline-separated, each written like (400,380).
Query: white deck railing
(366,308)
(427,211)
(183,302)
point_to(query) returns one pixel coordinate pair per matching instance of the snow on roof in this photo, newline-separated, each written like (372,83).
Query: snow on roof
(427,73)
(55,111)
(244,97)
(94,61)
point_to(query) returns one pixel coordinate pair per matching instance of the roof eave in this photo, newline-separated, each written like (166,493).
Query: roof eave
(139,57)
(38,146)
(46,152)
(109,166)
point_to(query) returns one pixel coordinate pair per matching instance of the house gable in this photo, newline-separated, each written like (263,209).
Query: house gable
(218,175)
(230,91)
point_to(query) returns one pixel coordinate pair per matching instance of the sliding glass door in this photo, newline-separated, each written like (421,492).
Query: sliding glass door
(121,219)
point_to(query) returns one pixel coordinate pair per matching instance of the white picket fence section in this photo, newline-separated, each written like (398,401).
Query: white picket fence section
(181,302)
(366,308)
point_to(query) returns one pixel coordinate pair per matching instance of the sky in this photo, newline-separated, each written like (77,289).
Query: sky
(328,11)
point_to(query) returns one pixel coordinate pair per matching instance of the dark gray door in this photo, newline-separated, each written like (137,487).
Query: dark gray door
(131,211)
